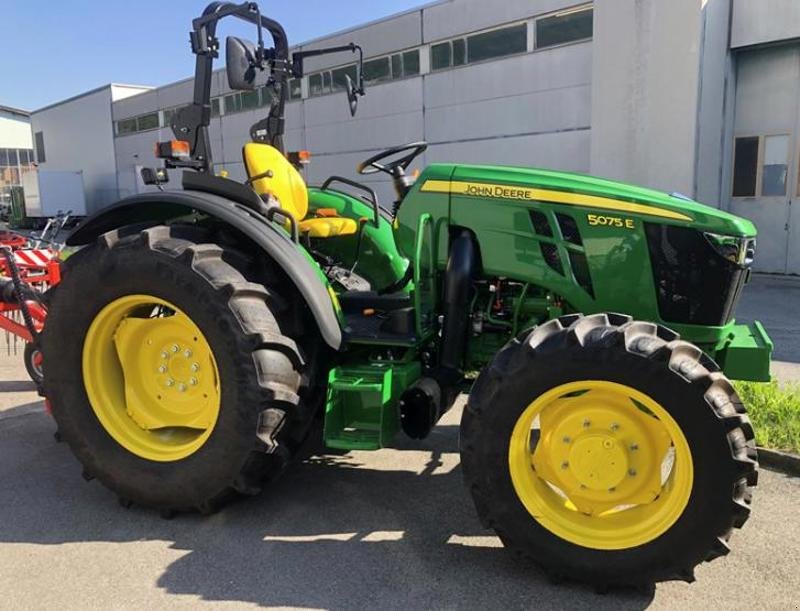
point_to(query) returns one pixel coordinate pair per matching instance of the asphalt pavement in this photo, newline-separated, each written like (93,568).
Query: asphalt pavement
(389,529)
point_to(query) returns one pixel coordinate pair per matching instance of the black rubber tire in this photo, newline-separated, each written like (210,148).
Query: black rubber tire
(262,420)
(653,360)
(35,372)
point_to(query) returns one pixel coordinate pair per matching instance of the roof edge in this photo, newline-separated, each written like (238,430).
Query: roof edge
(15,111)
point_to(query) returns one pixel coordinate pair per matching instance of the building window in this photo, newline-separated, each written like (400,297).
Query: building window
(377,70)
(148,121)
(459,52)
(233,103)
(410,64)
(572,25)
(497,43)
(295,89)
(38,142)
(775,167)
(339,82)
(215,107)
(441,56)
(315,85)
(250,99)
(14,164)
(745,167)
(480,47)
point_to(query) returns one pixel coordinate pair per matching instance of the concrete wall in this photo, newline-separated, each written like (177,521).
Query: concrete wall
(78,135)
(716,105)
(761,21)
(645,83)
(15,131)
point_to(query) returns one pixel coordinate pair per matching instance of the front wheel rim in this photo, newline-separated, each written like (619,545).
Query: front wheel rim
(609,469)
(151,378)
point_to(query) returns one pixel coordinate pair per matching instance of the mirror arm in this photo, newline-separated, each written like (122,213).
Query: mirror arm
(298,57)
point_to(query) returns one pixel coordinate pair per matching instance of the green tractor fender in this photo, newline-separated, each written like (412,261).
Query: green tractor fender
(156,208)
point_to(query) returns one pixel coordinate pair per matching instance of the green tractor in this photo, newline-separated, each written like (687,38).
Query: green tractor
(203,338)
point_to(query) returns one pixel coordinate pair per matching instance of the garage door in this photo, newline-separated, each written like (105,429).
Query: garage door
(766,149)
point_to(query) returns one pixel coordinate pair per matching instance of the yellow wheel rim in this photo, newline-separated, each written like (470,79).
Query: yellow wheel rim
(151,378)
(607,468)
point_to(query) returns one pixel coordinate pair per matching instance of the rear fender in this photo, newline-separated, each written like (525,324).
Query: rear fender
(155,208)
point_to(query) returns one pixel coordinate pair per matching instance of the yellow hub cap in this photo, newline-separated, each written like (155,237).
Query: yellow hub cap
(600,464)
(151,378)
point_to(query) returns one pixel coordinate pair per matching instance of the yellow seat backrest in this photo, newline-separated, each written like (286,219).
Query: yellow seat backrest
(284,182)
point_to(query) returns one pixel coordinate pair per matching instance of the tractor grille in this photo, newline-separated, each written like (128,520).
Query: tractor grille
(697,282)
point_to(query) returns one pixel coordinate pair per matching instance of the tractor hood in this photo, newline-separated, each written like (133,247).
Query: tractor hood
(581,190)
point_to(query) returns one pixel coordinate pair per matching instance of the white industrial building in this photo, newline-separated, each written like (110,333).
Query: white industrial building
(696,96)
(16,150)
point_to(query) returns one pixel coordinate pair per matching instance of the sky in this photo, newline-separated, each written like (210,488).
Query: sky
(60,48)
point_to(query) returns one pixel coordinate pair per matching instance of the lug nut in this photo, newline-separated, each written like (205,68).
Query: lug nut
(632,472)
(634,446)
(164,355)
(587,423)
(193,381)
(195,367)
(567,439)
(182,387)
(614,427)
(162,369)
(187,353)
(565,465)
(170,382)
(175,347)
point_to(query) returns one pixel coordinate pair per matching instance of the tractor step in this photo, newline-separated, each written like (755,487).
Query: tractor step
(361,410)
(395,328)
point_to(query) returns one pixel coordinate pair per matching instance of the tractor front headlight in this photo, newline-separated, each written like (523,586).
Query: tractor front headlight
(736,249)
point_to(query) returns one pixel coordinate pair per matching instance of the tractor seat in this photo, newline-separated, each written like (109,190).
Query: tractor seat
(271,174)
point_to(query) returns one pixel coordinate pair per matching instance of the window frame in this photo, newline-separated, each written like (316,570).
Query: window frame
(39,147)
(760,167)
(561,12)
(507,26)
(465,38)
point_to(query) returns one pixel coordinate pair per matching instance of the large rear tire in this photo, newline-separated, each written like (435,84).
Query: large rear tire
(608,451)
(128,420)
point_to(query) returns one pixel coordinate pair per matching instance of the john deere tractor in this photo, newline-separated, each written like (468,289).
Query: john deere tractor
(203,338)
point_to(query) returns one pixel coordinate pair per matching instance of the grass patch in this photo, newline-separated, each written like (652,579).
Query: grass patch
(775,413)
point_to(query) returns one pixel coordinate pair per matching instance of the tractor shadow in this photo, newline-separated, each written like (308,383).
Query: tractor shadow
(332,533)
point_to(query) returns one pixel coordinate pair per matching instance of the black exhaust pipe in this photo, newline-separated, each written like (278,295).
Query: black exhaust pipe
(461,268)
(429,398)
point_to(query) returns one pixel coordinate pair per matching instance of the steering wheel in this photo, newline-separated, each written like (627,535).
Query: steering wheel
(399,158)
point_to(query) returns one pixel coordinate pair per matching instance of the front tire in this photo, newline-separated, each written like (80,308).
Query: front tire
(642,463)
(127,419)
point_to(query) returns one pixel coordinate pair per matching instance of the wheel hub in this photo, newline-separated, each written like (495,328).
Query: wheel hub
(599,474)
(598,462)
(151,377)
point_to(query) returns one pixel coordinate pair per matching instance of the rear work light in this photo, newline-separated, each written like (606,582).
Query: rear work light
(172,149)
(298,158)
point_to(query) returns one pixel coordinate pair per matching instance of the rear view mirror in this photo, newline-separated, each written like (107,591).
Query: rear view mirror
(352,95)
(240,64)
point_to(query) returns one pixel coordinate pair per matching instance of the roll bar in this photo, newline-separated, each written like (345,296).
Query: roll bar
(191,122)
